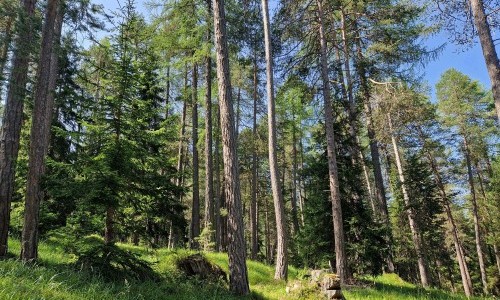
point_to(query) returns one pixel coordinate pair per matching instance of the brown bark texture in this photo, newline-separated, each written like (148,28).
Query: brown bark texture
(279,206)
(489,51)
(13,116)
(338,226)
(238,277)
(40,130)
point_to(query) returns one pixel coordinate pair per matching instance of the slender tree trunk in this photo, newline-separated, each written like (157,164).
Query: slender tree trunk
(462,263)
(238,277)
(182,136)
(279,206)
(295,219)
(489,52)
(209,176)
(195,210)
(253,205)
(238,99)
(475,214)
(338,226)
(167,94)
(374,151)
(109,227)
(40,130)
(13,116)
(217,204)
(497,256)
(415,231)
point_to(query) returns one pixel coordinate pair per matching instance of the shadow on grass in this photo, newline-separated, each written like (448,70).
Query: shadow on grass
(417,292)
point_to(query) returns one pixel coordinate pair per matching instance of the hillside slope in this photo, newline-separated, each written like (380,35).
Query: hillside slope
(55,277)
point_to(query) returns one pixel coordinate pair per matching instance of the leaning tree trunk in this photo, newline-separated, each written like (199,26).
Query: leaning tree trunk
(13,116)
(279,206)
(195,210)
(238,277)
(40,130)
(415,231)
(462,263)
(489,51)
(475,215)
(338,226)
(209,176)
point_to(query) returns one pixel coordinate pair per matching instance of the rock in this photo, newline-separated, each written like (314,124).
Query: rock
(198,265)
(330,282)
(334,294)
(316,275)
(293,286)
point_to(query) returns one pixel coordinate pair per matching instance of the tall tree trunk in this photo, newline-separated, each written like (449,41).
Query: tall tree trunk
(462,263)
(415,231)
(295,219)
(475,215)
(489,52)
(338,226)
(374,151)
(253,205)
(238,277)
(167,94)
(13,116)
(209,176)
(182,136)
(279,206)
(40,130)
(217,204)
(195,210)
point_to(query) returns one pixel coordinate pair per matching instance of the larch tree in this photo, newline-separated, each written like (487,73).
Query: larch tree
(13,115)
(40,130)
(279,206)
(195,210)
(457,97)
(338,226)
(489,51)
(238,276)
(209,176)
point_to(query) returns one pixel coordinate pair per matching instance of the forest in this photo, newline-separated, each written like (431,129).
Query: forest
(283,136)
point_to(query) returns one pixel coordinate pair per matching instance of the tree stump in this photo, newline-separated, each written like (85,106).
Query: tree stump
(198,265)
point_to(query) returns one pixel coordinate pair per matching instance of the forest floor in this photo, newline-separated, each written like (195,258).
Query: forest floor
(55,277)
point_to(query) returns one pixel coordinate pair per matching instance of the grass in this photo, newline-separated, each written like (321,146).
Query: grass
(54,277)
(392,287)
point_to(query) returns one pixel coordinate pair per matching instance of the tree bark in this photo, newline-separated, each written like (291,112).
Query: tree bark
(209,176)
(40,130)
(253,205)
(182,135)
(13,116)
(338,226)
(475,215)
(279,206)
(489,52)
(217,203)
(238,277)
(295,219)
(415,231)
(195,210)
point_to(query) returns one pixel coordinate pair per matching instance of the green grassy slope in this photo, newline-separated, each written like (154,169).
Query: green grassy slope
(53,277)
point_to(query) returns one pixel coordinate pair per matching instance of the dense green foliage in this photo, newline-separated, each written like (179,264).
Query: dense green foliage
(130,111)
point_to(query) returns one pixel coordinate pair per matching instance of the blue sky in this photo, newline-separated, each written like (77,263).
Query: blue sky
(468,61)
